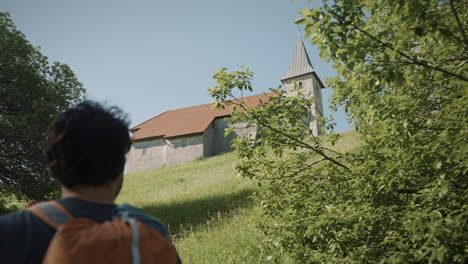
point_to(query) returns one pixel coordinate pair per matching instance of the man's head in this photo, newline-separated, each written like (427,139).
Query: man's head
(87,145)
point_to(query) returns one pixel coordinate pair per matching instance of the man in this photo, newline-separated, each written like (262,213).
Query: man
(86,152)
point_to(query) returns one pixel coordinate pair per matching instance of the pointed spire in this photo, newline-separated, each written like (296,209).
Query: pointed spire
(300,63)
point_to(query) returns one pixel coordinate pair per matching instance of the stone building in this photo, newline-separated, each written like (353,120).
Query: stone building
(303,74)
(185,134)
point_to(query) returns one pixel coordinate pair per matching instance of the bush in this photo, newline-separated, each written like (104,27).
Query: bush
(10,203)
(402,196)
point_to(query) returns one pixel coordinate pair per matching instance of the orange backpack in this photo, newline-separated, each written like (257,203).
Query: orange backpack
(82,241)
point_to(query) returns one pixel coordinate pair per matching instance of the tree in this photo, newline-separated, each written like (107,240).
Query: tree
(402,195)
(32,92)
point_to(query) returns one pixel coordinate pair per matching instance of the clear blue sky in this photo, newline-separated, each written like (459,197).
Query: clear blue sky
(151,56)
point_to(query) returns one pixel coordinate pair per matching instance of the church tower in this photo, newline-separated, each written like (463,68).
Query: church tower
(302,74)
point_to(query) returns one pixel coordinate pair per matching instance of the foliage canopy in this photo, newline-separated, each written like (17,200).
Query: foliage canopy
(32,92)
(400,197)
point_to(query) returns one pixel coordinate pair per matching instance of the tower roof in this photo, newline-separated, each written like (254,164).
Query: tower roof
(300,63)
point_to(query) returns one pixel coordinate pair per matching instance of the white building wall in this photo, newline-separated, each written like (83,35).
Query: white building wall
(183,149)
(215,140)
(318,109)
(244,129)
(307,84)
(157,153)
(310,87)
(145,155)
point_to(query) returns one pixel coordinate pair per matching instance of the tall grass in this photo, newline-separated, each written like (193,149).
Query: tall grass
(204,204)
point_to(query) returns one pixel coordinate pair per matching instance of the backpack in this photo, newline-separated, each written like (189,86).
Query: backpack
(123,240)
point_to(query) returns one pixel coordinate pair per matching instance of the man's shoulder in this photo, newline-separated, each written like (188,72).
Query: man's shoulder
(21,224)
(24,237)
(16,220)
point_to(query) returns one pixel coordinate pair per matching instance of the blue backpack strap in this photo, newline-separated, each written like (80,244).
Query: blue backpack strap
(146,219)
(129,214)
(135,237)
(52,213)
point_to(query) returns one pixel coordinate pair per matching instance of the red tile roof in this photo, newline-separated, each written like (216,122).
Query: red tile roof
(186,121)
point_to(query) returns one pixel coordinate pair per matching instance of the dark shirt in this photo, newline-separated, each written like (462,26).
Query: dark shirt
(24,238)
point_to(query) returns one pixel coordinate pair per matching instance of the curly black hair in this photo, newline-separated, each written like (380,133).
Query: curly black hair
(87,145)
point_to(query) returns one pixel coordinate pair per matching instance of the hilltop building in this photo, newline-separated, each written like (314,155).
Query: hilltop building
(182,135)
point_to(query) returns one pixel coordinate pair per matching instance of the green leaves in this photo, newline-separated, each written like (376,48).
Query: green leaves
(32,92)
(226,82)
(404,94)
(402,195)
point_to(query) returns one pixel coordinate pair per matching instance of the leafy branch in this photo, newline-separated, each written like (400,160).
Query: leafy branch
(342,20)
(300,142)
(457,18)
(294,174)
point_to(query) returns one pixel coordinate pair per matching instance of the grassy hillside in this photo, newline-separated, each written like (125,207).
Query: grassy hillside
(206,206)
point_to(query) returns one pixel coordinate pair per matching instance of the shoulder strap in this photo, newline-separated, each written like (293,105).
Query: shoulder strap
(52,213)
(136,259)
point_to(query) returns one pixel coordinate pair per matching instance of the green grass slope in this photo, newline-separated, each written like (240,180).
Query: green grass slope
(206,207)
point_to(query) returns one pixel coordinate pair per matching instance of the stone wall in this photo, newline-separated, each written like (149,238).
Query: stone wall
(242,130)
(151,154)
(307,84)
(310,87)
(183,149)
(215,141)
(157,153)
(318,109)
(145,155)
